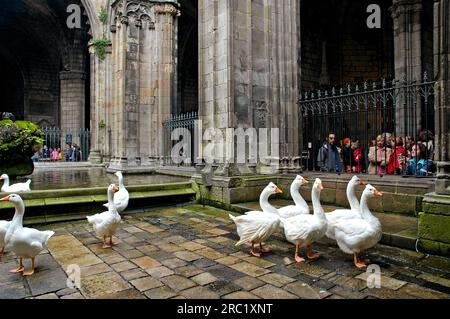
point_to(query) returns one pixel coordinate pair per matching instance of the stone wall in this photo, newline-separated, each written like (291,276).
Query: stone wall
(337,47)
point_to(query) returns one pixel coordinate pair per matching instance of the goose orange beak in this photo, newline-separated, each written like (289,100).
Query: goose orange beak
(278,190)
(377,193)
(115,189)
(5,199)
(304,181)
(320,186)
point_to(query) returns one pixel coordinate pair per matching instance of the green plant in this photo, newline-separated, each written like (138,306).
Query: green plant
(100,46)
(20,137)
(101,124)
(103,15)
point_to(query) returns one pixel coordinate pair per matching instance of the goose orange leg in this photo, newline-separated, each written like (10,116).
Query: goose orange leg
(20,268)
(111,243)
(105,245)
(263,248)
(312,255)
(2,252)
(297,257)
(254,252)
(358,263)
(31,271)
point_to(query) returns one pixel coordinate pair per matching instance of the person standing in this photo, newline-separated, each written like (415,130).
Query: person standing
(328,158)
(379,157)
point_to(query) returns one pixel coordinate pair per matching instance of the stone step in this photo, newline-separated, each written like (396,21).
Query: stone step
(43,207)
(398,230)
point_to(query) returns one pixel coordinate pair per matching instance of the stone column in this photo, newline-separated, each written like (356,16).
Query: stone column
(406,15)
(72,92)
(142,66)
(249,71)
(434,221)
(442,99)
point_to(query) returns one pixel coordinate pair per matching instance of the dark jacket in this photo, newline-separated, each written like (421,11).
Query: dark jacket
(329,159)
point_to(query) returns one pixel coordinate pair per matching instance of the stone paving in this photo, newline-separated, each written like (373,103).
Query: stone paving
(189,252)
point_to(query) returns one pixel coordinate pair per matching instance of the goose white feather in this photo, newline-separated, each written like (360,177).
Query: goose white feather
(300,207)
(304,230)
(24,242)
(257,226)
(14,188)
(105,224)
(3,229)
(122,197)
(343,214)
(356,235)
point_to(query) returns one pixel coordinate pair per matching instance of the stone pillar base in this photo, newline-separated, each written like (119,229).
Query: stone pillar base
(443,178)
(434,225)
(95,157)
(134,167)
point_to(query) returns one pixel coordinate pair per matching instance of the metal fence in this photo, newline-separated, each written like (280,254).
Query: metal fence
(176,125)
(63,139)
(360,113)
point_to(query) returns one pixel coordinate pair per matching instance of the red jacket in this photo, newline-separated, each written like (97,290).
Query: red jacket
(393,163)
(358,158)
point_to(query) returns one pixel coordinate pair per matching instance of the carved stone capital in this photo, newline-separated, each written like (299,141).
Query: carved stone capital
(166,8)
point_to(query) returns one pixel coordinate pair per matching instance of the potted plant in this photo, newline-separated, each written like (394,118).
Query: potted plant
(19,140)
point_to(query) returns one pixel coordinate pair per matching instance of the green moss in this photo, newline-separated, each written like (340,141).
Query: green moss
(434,227)
(434,247)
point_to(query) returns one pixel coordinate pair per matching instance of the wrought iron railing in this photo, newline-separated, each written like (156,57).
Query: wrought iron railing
(391,109)
(185,121)
(64,139)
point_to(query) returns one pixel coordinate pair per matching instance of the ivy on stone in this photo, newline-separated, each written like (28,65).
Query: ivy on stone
(100,46)
(20,137)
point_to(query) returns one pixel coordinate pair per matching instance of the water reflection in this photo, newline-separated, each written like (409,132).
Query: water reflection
(89,177)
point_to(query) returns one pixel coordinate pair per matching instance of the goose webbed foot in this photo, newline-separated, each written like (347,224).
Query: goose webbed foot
(111,242)
(31,271)
(358,263)
(19,269)
(263,248)
(297,257)
(253,252)
(312,255)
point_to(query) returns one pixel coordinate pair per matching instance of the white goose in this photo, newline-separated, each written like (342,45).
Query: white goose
(15,188)
(356,235)
(24,242)
(105,224)
(343,214)
(121,198)
(304,230)
(3,229)
(255,226)
(300,207)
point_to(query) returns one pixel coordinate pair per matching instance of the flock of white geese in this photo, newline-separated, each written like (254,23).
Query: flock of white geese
(27,243)
(355,230)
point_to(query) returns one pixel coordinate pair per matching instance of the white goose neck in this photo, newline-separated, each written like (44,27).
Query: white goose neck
(120,177)
(111,206)
(6,182)
(298,199)
(17,221)
(265,205)
(364,208)
(317,207)
(353,201)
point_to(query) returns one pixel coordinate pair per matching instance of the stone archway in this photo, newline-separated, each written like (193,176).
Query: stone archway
(47,62)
